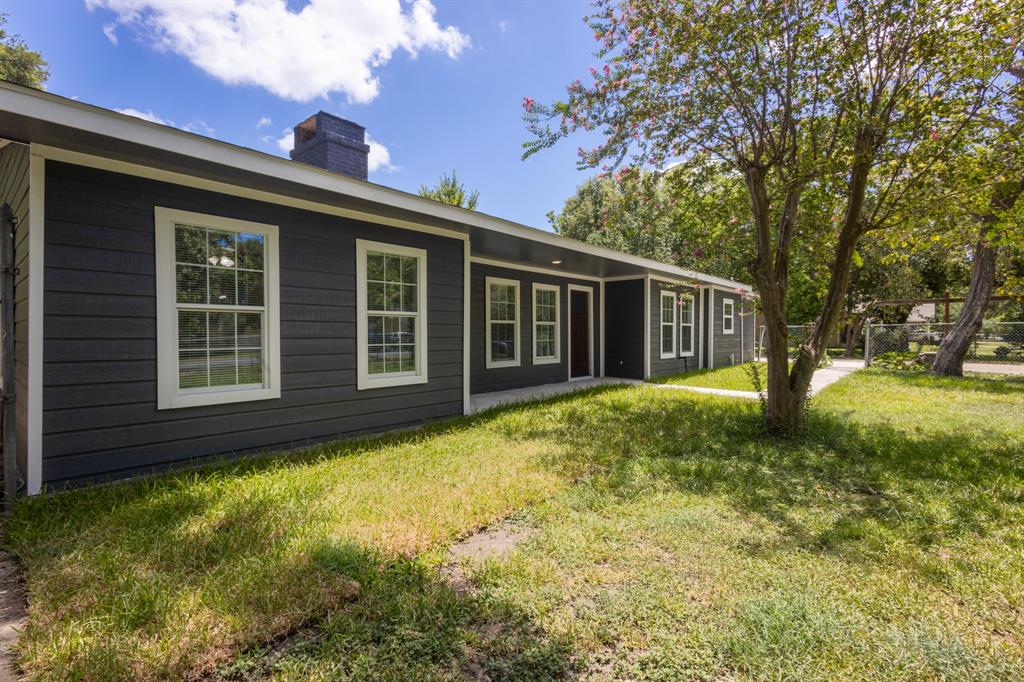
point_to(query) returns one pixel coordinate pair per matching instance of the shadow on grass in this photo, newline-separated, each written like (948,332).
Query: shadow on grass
(406,623)
(258,560)
(918,484)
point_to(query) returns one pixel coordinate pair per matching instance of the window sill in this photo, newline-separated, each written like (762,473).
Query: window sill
(200,398)
(502,364)
(385,381)
(668,356)
(686,355)
(546,361)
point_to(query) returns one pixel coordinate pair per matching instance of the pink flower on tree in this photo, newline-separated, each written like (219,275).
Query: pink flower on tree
(528,104)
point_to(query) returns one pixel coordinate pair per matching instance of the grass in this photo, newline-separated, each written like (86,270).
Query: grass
(733,378)
(670,540)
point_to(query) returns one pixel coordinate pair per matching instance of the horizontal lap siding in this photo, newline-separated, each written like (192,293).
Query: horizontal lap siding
(727,350)
(14,184)
(482,379)
(659,366)
(100,418)
(624,329)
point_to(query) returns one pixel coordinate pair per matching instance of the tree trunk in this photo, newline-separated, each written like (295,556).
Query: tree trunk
(853,333)
(949,360)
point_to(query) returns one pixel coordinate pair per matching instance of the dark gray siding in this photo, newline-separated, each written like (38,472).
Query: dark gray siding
(14,182)
(100,416)
(728,350)
(483,380)
(659,366)
(624,329)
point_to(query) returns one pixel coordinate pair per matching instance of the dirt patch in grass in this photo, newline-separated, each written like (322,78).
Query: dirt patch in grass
(493,543)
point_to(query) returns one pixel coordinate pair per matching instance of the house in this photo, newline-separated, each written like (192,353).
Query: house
(178,297)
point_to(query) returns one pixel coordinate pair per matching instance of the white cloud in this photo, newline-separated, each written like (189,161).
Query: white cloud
(286,141)
(199,127)
(380,157)
(110,31)
(503,25)
(263,122)
(146,115)
(325,47)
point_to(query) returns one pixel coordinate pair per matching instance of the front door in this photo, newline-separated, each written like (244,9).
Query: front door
(579,333)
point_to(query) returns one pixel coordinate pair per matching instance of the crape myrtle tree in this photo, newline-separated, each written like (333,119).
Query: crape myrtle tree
(863,95)
(994,170)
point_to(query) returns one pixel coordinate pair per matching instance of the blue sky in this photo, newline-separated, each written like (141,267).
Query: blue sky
(454,104)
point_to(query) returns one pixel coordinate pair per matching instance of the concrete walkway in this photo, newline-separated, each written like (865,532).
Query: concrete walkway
(485,401)
(827,376)
(994,368)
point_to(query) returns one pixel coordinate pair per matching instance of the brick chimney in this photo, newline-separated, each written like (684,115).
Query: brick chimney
(331,142)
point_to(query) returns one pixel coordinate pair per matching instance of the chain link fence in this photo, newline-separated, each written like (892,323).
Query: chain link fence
(798,332)
(995,342)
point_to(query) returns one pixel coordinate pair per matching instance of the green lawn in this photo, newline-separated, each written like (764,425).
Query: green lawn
(669,540)
(734,378)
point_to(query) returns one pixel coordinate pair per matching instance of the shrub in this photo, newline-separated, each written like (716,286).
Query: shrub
(906,361)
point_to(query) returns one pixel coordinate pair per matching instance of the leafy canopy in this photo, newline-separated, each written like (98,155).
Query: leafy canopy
(449,190)
(19,64)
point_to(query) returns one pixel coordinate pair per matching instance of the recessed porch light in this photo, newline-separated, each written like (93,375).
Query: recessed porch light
(556,262)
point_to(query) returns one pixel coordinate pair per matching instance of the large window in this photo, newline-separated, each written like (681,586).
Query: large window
(391,292)
(668,324)
(686,334)
(546,334)
(728,318)
(502,305)
(217,310)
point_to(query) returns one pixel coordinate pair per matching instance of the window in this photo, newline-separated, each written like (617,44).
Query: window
(502,305)
(217,310)
(546,333)
(668,324)
(686,325)
(391,310)
(727,316)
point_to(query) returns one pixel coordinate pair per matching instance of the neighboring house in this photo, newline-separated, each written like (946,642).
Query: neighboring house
(179,297)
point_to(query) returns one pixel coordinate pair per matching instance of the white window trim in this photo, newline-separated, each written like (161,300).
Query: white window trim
(692,325)
(364,379)
(671,352)
(169,396)
(492,364)
(728,304)
(549,360)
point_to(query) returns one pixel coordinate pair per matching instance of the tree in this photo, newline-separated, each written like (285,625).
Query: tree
(635,217)
(449,190)
(19,64)
(858,98)
(999,161)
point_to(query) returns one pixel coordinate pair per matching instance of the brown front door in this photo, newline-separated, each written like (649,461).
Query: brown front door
(579,333)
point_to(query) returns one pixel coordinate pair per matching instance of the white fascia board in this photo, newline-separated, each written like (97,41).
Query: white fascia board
(62,111)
